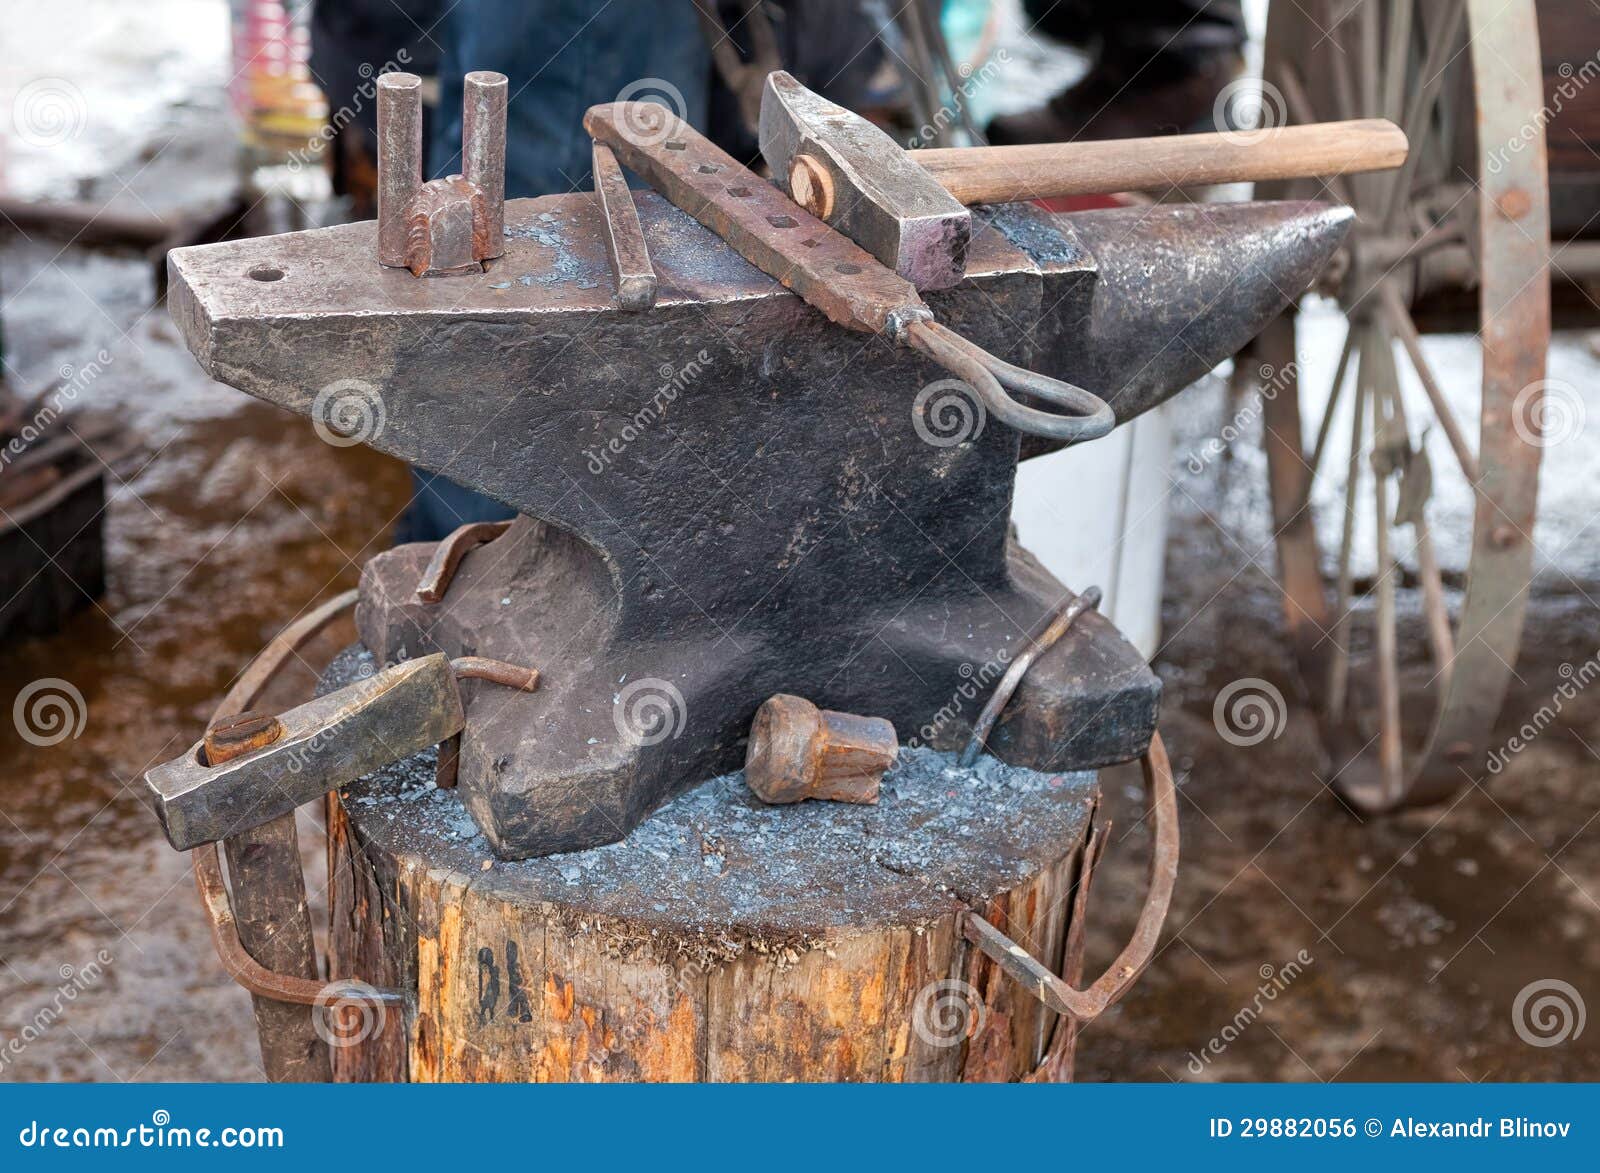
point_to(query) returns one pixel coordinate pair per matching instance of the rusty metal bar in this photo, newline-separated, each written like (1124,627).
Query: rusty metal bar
(447,556)
(1087,1004)
(448,766)
(496,672)
(399,161)
(625,244)
(1063,618)
(483,154)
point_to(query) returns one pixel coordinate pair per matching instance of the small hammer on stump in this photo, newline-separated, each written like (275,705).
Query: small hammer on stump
(908,208)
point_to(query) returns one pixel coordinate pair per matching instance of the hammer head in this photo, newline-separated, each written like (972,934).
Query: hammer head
(844,170)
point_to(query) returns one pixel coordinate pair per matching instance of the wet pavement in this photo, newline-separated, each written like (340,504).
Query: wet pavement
(1304,943)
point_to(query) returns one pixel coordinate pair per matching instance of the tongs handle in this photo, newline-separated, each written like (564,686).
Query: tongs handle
(1091,417)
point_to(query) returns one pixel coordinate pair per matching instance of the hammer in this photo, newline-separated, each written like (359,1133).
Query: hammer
(908,208)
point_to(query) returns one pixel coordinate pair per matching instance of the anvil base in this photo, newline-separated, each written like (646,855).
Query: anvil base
(619,725)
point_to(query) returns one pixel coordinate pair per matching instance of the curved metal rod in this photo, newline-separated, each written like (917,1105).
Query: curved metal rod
(988,376)
(447,556)
(207,863)
(515,676)
(496,671)
(1037,978)
(1062,619)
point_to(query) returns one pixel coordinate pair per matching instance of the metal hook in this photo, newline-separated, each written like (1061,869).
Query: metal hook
(989,376)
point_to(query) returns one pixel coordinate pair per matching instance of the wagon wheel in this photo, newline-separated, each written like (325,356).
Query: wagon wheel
(1478,210)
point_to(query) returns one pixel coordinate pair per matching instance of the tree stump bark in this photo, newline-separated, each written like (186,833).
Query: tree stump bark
(724,939)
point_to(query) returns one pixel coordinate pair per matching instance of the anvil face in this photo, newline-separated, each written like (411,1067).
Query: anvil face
(727,496)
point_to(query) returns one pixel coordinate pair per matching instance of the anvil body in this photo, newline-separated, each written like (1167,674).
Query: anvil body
(727,496)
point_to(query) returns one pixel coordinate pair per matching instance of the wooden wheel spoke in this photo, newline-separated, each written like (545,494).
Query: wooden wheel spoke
(1419,112)
(1390,745)
(1304,111)
(1459,77)
(1399,319)
(1440,638)
(1334,393)
(1339,664)
(1394,74)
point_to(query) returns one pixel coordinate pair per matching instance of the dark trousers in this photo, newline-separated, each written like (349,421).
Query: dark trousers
(561,56)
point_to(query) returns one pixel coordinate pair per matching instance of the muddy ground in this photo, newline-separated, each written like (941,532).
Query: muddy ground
(1304,943)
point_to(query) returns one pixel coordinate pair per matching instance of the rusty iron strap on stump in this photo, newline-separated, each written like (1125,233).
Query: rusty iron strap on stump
(268,947)
(826,268)
(1036,977)
(269,883)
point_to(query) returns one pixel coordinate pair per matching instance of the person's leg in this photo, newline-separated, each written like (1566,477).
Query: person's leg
(561,56)
(1159,65)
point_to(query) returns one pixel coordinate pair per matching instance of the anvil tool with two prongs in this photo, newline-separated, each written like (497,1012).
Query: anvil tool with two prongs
(732,494)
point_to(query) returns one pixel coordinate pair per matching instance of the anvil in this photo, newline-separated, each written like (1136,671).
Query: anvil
(727,496)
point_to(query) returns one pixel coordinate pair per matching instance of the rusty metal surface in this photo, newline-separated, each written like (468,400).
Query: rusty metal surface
(881,197)
(483,155)
(767,228)
(1514,222)
(827,269)
(399,161)
(235,736)
(447,556)
(1064,617)
(642,490)
(496,672)
(625,244)
(450,225)
(1085,1005)
(325,743)
(798,752)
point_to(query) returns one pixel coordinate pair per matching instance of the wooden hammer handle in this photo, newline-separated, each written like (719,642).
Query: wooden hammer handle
(1000,175)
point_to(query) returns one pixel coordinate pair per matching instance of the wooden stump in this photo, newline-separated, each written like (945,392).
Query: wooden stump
(723,940)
